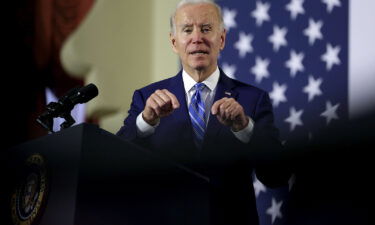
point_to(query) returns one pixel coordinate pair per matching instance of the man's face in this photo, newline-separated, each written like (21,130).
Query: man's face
(198,37)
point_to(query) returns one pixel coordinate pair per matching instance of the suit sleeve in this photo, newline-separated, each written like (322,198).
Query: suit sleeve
(268,154)
(129,129)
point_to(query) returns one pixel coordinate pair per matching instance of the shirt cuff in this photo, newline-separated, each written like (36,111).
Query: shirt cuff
(244,135)
(143,128)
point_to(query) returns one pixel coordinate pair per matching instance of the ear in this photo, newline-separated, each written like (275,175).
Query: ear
(172,38)
(223,38)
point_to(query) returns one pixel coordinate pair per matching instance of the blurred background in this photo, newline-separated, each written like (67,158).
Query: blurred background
(315,58)
(117,45)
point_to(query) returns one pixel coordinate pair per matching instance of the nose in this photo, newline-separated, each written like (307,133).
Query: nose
(197,36)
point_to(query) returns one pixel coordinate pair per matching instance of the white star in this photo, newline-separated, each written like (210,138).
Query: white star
(243,45)
(313,31)
(295,63)
(331,56)
(291,181)
(258,187)
(261,13)
(260,69)
(278,37)
(330,112)
(294,118)
(274,210)
(229,70)
(229,18)
(331,3)
(295,7)
(278,94)
(313,88)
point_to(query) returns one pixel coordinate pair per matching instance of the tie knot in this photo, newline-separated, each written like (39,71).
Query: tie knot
(199,86)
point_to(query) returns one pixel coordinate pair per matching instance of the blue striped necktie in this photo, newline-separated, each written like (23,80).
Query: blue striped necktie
(197,114)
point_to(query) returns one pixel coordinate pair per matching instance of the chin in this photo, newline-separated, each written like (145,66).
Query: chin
(200,66)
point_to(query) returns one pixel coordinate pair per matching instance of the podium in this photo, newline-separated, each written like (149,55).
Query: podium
(86,175)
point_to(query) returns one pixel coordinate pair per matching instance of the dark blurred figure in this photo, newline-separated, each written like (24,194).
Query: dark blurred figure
(34,33)
(22,88)
(333,175)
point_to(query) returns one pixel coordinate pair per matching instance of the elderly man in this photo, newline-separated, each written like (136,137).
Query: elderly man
(207,121)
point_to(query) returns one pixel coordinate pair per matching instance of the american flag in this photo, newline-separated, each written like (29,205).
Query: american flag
(297,50)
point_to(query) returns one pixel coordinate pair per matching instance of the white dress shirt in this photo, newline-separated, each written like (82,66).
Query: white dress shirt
(208,95)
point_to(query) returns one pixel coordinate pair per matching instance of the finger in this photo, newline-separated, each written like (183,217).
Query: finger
(154,106)
(216,105)
(157,108)
(173,98)
(221,112)
(159,100)
(235,112)
(231,109)
(163,96)
(229,112)
(225,108)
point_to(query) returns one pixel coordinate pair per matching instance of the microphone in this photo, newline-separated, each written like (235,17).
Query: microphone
(65,104)
(79,96)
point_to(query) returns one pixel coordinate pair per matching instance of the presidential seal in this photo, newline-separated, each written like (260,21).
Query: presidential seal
(30,193)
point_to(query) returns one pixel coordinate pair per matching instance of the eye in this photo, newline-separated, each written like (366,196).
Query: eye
(206,29)
(187,30)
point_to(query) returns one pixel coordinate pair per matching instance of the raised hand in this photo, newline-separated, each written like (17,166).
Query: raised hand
(160,104)
(230,113)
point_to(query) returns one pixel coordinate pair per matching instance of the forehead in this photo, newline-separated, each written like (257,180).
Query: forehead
(197,14)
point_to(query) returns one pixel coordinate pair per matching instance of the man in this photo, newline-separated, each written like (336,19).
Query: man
(207,121)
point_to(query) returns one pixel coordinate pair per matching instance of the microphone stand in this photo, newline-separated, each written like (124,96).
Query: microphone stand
(64,106)
(55,109)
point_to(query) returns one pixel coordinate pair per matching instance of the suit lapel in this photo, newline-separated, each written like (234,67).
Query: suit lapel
(224,89)
(181,115)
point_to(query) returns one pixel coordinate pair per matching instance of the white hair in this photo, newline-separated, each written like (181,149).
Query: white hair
(194,2)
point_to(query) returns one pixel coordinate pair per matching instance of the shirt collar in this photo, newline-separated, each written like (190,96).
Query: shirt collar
(210,82)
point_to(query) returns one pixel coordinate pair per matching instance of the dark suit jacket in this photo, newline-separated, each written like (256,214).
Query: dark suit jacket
(224,159)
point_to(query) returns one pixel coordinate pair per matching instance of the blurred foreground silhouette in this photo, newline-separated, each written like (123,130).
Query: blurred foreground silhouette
(333,175)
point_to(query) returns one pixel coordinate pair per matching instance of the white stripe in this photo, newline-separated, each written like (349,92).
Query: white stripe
(198,114)
(361,57)
(199,126)
(201,107)
(196,122)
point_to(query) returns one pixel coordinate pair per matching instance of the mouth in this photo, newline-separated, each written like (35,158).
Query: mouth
(198,52)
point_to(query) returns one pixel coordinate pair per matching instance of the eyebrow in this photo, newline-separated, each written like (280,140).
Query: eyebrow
(190,25)
(186,25)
